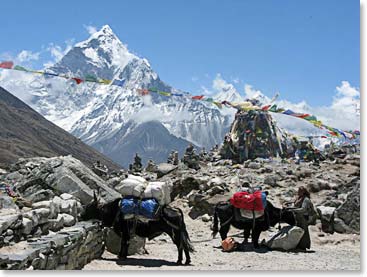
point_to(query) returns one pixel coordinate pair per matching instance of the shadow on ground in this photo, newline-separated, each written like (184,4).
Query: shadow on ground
(141,262)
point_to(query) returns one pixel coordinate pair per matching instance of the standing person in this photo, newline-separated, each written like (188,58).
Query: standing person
(303,209)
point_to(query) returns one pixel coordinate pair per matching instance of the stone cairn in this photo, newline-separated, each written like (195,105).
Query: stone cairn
(190,158)
(151,166)
(137,166)
(254,134)
(173,158)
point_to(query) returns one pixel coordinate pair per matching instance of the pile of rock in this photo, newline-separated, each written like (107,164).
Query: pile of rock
(39,179)
(71,248)
(190,158)
(44,216)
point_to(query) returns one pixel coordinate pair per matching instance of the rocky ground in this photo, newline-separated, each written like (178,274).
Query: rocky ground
(53,192)
(328,252)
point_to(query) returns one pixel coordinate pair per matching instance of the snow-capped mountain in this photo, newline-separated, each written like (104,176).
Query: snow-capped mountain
(98,113)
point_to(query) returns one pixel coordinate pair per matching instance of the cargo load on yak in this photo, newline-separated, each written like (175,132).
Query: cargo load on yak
(250,205)
(254,134)
(141,199)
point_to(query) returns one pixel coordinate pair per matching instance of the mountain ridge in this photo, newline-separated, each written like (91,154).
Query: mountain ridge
(24,134)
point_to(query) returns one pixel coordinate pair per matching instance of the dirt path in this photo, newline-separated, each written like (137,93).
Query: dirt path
(329,252)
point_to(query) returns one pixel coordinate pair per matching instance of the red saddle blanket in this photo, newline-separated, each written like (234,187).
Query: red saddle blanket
(247,201)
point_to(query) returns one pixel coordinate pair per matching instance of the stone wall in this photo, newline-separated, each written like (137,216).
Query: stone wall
(71,248)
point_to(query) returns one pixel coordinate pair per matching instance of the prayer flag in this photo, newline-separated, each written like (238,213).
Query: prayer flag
(105,81)
(143,92)
(265,108)
(289,112)
(20,68)
(91,78)
(177,94)
(119,83)
(273,108)
(310,118)
(198,97)
(218,104)
(51,74)
(301,115)
(6,65)
(77,80)
(164,93)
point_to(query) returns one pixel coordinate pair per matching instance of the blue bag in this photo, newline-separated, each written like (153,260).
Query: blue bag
(263,199)
(129,206)
(148,208)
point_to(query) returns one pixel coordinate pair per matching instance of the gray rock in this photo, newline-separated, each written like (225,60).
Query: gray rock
(164,168)
(206,218)
(52,206)
(60,175)
(216,190)
(287,239)
(69,207)
(271,180)
(217,181)
(254,165)
(66,196)
(27,226)
(340,226)
(43,214)
(68,219)
(9,218)
(57,223)
(113,243)
(206,205)
(7,202)
(327,218)
(349,211)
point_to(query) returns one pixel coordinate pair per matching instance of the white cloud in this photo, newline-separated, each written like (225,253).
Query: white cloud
(206,91)
(342,112)
(194,79)
(57,52)
(148,112)
(347,98)
(26,56)
(90,29)
(251,93)
(219,84)
(235,80)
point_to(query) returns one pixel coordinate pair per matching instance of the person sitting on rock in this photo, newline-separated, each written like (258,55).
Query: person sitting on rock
(303,210)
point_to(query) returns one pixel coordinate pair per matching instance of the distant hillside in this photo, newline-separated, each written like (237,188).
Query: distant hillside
(151,140)
(24,133)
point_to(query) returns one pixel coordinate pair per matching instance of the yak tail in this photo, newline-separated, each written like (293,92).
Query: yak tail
(187,245)
(215,223)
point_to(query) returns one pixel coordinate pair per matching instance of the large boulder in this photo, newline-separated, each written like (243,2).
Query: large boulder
(327,218)
(286,239)
(164,168)
(113,243)
(349,211)
(39,179)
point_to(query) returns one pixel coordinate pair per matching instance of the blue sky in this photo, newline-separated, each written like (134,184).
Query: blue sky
(303,49)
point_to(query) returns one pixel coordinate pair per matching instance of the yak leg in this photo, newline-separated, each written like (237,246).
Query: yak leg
(188,259)
(223,231)
(125,237)
(255,237)
(177,239)
(246,235)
